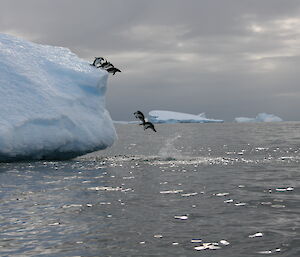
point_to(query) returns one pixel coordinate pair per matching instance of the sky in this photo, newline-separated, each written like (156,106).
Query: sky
(227,58)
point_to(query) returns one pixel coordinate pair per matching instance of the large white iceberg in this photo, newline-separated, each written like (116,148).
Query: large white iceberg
(179,117)
(52,104)
(261,117)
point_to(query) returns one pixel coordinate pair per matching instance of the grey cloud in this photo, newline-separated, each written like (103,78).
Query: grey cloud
(226,58)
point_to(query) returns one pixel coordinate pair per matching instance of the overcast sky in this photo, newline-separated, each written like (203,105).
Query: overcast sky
(227,58)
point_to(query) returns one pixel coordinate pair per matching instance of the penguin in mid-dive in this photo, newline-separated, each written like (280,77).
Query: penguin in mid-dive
(113,70)
(98,61)
(149,125)
(139,115)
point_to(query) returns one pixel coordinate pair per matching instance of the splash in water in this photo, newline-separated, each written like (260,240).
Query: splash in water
(169,151)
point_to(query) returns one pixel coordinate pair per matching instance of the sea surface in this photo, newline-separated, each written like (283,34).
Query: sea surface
(188,190)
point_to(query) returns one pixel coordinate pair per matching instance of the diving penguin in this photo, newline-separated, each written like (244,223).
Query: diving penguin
(139,115)
(149,125)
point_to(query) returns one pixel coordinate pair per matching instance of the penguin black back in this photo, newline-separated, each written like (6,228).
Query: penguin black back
(97,61)
(139,115)
(149,125)
(113,70)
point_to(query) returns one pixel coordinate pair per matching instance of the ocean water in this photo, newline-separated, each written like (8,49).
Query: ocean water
(187,190)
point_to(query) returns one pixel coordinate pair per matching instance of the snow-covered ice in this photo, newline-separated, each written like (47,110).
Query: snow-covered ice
(261,117)
(52,103)
(178,117)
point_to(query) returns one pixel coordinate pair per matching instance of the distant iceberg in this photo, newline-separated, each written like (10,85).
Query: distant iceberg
(261,117)
(179,117)
(52,104)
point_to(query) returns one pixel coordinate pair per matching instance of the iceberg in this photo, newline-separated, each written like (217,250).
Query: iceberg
(157,116)
(52,103)
(261,117)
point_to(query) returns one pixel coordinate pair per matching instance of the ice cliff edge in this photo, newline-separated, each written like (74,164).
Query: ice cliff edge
(52,103)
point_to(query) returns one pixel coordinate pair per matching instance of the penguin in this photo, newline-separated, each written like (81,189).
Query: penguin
(113,70)
(139,115)
(107,65)
(110,65)
(98,61)
(149,125)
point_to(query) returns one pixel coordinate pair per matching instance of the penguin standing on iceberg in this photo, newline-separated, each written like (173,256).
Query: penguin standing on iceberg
(113,70)
(102,63)
(106,65)
(98,62)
